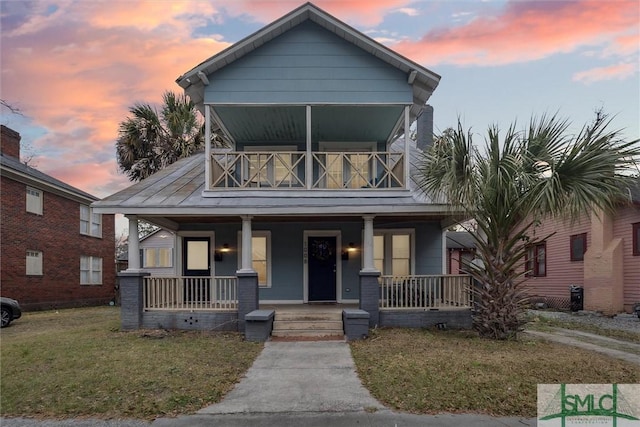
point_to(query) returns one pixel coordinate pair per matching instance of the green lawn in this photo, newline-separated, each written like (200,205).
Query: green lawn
(76,362)
(428,371)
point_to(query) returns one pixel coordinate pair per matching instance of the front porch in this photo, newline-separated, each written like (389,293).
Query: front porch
(216,303)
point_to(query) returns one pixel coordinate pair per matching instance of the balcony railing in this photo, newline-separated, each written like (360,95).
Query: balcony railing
(191,293)
(425,292)
(288,170)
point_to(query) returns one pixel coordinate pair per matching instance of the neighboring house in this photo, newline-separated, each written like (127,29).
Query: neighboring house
(600,253)
(56,252)
(461,249)
(157,253)
(313,202)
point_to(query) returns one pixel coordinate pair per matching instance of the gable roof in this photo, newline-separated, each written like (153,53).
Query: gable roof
(14,169)
(460,240)
(422,80)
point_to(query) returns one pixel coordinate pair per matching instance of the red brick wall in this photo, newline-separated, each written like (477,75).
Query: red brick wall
(9,142)
(57,234)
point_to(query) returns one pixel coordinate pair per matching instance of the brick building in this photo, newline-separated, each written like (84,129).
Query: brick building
(55,252)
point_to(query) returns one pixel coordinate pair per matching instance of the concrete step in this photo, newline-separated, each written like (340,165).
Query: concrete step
(307,333)
(309,316)
(307,325)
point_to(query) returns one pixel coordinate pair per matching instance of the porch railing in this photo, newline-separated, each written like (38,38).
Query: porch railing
(425,292)
(288,170)
(191,293)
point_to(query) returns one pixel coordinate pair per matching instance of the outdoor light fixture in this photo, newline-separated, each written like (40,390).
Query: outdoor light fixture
(345,252)
(218,255)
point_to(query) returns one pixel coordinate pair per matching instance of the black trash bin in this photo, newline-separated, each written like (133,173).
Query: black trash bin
(577,297)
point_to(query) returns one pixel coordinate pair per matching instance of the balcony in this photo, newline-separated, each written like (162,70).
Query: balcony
(329,170)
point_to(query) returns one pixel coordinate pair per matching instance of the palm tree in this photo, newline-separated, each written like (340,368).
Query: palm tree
(510,186)
(148,141)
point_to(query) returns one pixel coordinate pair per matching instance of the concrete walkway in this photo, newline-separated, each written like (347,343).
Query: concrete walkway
(311,376)
(612,347)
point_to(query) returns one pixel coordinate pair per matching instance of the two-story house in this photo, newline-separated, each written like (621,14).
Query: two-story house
(312,203)
(56,251)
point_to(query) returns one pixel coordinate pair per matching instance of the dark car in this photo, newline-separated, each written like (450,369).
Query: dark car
(10,310)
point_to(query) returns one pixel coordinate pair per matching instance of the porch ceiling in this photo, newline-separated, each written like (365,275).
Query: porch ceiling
(281,124)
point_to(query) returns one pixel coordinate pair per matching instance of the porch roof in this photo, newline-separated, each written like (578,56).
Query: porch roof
(178,190)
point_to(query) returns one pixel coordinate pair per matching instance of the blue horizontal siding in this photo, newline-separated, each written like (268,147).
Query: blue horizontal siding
(287,274)
(308,64)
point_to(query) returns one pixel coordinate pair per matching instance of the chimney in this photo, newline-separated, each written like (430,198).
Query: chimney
(10,142)
(424,137)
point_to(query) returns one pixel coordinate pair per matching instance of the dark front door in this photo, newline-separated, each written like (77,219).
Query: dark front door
(196,266)
(322,268)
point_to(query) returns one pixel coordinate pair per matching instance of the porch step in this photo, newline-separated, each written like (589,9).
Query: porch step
(309,316)
(308,333)
(307,323)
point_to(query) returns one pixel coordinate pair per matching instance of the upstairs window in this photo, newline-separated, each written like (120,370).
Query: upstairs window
(157,258)
(636,238)
(34,263)
(34,200)
(90,270)
(536,260)
(578,246)
(90,222)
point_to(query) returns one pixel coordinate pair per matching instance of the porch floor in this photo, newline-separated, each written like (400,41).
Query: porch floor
(310,308)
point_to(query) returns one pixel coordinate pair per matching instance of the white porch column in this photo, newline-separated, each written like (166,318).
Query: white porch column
(207,147)
(367,250)
(134,244)
(407,135)
(247,260)
(309,163)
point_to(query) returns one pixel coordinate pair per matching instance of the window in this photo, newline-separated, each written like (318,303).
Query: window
(90,222)
(34,263)
(157,258)
(90,270)
(34,201)
(260,255)
(392,252)
(536,260)
(578,246)
(636,238)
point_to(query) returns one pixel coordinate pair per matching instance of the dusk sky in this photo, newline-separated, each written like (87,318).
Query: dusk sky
(74,67)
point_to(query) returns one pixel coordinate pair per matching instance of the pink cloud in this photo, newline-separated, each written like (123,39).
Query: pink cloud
(77,75)
(359,12)
(527,31)
(617,71)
